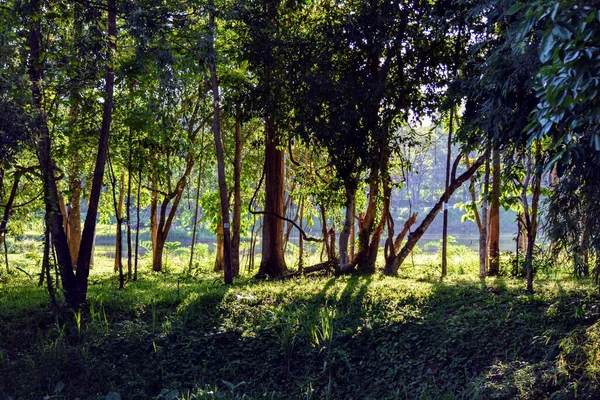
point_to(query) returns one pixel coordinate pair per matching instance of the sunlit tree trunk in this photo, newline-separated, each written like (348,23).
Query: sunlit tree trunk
(273,260)
(219,249)
(237,197)
(494,223)
(74,219)
(350,190)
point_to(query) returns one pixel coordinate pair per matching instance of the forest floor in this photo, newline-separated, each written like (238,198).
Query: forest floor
(184,336)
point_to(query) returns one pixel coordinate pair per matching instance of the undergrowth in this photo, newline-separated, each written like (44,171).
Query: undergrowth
(181,336)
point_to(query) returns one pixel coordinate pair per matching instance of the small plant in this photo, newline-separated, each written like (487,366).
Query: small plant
(319,327)
(286,334)
(77,315)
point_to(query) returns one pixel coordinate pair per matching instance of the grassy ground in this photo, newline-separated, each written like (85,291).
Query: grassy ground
(184,336)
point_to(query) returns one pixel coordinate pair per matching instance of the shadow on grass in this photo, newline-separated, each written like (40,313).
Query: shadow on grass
(361,337)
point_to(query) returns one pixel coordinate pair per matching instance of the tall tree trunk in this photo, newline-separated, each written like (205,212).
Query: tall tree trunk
(89,227)
(128,216)
(137,225)
(301,238)
(237,196)
(7,211)
(446,184)
(483,234)
(118,234)
(531,215)
(273,259)
(219,149)
(154,213)
(199,183)
(494,223)
(413,238)
(53,215)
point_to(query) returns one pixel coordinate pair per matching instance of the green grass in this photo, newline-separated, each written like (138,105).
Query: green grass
(350,337)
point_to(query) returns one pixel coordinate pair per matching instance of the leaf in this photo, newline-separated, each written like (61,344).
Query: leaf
(515,8)
(546,48)
(561,32)
(113,396)
(571,56)
(60,385)
(230,385)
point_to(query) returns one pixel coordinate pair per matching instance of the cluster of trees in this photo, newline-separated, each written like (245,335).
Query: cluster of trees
(297,107)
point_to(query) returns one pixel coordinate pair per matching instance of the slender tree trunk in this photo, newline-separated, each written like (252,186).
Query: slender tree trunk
(219,149)
(128,216)
(52,209)
(273,259)
(89,228)
(483,235)
(531,216)
(137,226)
(301,238)
(118,234)
(324,232)
(7,211)
(352,232)
(199,183)
(413,238)
(237,197)
(446,184)
(154,214)
(494,223)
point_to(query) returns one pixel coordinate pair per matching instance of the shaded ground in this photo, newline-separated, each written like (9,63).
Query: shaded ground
(354,337)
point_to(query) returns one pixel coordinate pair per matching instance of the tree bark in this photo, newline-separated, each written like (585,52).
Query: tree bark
(154,215)
(237,197)
(54,219)
(219,150)
(7,211)
(446,184)
(365,225)
(74,219)
(273,260)
(494,223)
(199,183)
(137,225)
(128,215)
(119,230)
(219,249)
(89,227)
(483,235)
(345,260)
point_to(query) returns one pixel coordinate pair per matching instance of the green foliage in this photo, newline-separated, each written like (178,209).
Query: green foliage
(186,337)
